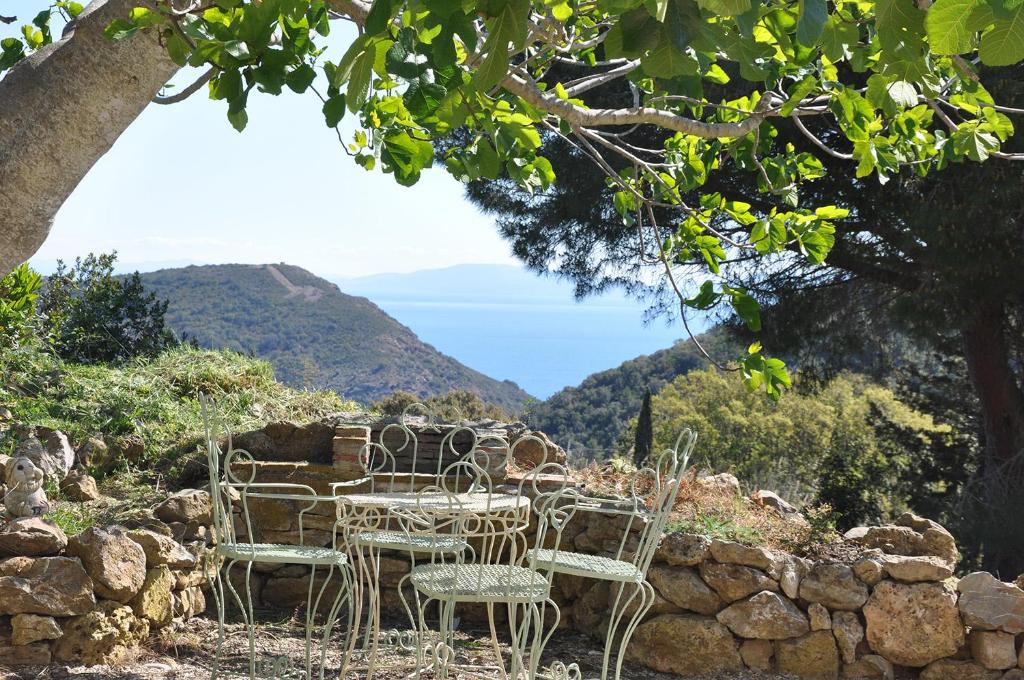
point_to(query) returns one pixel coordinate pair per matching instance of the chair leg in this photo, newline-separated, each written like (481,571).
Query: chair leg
(218,597)
(618,610)
(646,602)
(245,608)
(344,594)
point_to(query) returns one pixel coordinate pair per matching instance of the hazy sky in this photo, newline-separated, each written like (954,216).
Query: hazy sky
(181,185)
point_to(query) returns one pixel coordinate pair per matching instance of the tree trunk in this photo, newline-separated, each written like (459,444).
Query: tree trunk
(61,109)
(1002,409)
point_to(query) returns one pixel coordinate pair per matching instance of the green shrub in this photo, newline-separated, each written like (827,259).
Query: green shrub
(95,317)
(18,293)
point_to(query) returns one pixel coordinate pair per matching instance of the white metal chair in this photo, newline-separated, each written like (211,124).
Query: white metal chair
(372,528)
(233,487)
(654,491)
(494,569)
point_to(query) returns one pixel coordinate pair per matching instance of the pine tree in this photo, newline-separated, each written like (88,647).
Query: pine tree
(644,431)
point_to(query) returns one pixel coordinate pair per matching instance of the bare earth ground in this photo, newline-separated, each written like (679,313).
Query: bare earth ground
(186,653)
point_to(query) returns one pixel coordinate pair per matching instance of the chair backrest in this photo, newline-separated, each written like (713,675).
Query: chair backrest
(380,459)
(234,490)
(493,525)
(665,478)
(223,523)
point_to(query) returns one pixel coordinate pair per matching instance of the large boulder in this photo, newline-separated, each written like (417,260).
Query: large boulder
(734,581)
(530,452)
(49,449)
(160,549)
(685,645)
(683,550)
(953,669)
(910,535)
(116,563)
(32,537)
(869,667)
(685,589)
(185,506)
(79,486)
(730,552)
(993,649)
(834,586)
(813,656)
(913,624)
(989,604)
(849,633)
(35,654)
(912,569)
(765,616)
(51,586)
(154,601)
(29,628)
(101,636)
(95,454)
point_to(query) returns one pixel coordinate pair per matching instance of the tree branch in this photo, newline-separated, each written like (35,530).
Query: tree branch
(188,91)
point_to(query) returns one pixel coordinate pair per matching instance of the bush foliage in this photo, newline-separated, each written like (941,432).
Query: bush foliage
(845,443)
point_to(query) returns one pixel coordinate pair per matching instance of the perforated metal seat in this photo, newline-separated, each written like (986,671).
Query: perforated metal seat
(282,554)
(400,540)
(481,583)
(590,566)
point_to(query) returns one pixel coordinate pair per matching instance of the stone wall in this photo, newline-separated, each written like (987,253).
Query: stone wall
(891,608)
(89,598)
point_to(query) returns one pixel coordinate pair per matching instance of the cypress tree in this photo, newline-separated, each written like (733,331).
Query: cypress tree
(644,431)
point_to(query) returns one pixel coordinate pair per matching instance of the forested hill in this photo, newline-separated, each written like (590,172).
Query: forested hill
(313,334)
(591,417)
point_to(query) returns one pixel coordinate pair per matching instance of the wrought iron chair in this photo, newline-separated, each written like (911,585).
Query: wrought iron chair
(232,490)
(654,491)
(495,569)
(372,528)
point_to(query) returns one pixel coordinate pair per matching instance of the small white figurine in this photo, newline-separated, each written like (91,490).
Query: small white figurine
(25,496)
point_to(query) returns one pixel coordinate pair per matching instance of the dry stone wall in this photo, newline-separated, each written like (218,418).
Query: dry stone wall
(89,598)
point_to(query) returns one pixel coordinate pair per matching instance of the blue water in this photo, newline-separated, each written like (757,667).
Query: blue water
(541,346)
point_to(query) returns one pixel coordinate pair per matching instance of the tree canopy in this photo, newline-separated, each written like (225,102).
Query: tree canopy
(881,85)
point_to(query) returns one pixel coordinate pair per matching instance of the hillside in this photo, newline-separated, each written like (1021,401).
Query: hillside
(592,416)
(313,334)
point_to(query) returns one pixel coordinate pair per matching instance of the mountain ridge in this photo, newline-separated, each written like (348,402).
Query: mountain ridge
(314,334)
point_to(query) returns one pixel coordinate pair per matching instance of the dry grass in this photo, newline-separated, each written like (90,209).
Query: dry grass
(721,513)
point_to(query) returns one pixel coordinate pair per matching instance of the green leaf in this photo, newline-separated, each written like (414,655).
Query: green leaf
(899,22)
(406,157)
(226,85)
(726,8)
(177,48)
(237,49)
(810,21)
(952,24)
(487,160)
(238,119)
(334,110)
(299,79)
(509,26)
(380,15)
(837,38)
(668,61)
(797,94)
(359,80)
(705,298)
(423,97)
(657,8)
(119,29)
(745,307)
(1003,45)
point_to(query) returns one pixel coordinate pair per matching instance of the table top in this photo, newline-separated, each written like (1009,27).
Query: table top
(465,502)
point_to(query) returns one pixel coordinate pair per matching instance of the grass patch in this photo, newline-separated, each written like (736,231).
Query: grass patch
(155,400)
